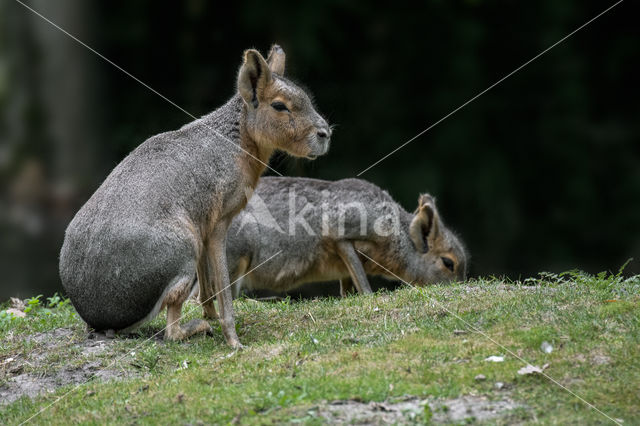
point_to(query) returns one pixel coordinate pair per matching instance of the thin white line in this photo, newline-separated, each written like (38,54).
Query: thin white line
(140,344)
(490,87)
(145,85)
(490,339)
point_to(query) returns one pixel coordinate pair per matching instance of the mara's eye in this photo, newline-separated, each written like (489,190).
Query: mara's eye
(448,263)
(279,106)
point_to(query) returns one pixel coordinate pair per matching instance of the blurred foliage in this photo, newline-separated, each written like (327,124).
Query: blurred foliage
(540,173)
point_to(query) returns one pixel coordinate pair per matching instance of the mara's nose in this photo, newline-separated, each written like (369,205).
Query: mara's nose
(324,131)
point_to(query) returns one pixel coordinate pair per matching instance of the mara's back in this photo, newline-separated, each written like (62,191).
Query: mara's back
(297,221)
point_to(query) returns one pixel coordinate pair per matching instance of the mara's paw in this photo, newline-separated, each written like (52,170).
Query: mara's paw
(197,326)
(210,315)
(209,312)
(236,345)
(174,334)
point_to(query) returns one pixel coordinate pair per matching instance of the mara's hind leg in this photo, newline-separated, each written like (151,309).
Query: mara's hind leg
(346,287)
(175,331)
(174,301)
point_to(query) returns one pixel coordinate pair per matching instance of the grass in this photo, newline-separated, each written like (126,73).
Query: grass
(301,354)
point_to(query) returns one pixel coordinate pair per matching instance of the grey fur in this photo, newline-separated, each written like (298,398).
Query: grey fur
(253,237)
(158,219)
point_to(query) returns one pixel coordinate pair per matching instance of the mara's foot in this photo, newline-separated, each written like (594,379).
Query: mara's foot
(210,315)
(209,311)
(197,326)
(232,339)
(177,332)
(236,345)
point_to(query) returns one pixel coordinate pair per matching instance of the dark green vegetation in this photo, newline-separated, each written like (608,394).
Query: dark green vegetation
(540,173)
(302,355)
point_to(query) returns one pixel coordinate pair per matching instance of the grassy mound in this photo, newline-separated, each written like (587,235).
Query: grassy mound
(413,355)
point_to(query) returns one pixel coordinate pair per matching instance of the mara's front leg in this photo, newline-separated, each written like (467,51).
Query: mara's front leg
(218,258)
(350,258)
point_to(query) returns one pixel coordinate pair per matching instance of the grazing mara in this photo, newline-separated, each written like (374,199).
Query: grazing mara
(343,230)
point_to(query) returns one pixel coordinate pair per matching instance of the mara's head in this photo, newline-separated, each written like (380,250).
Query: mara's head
(441,255)
(280,114)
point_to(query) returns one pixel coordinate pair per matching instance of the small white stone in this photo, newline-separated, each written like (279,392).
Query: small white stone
(546,347)
(530,369)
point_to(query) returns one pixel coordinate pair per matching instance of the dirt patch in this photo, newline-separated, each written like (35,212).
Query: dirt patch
(594,358)
(599,359)
(471,407)
(272,351)
(58,335)
(409,410)
(31,384)
(57,358)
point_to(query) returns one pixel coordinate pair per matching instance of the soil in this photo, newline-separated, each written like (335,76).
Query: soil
(406,411)
(33,373)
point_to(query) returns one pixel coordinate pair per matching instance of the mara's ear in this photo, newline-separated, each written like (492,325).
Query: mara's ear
(276,60)
(253,78)
(425,224)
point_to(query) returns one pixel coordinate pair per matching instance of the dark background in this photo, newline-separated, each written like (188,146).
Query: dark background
(539,174)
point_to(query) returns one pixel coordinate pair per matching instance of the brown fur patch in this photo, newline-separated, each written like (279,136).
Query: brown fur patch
(383,257)
(251,168)
(178,294)
(196,236)
(329,262)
